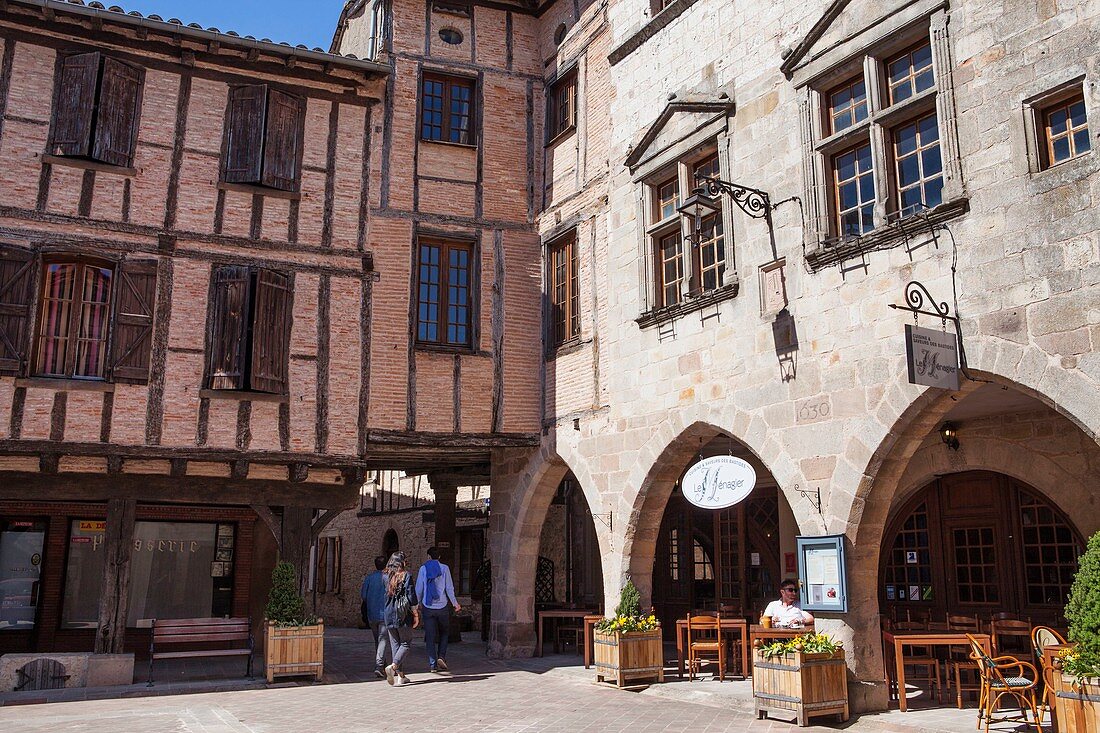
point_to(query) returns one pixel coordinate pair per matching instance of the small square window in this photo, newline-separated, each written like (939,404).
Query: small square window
(910,73)
(666,199)
(847,105)
(1065,130)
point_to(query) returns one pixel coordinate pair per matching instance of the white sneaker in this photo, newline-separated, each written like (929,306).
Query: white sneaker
(390,673)
(400,680)
(441,665)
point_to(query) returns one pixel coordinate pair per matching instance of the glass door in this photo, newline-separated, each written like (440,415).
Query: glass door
(21,544)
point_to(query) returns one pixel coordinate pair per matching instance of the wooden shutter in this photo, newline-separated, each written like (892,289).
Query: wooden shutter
(119,111)
(132,330)
(337,563)
(284,134)
(75,108)
(16,293)
(271,332)
(228,324)
(245,131)
(322,568)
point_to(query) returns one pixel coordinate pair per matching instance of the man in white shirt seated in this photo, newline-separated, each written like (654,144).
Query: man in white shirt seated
(784,613)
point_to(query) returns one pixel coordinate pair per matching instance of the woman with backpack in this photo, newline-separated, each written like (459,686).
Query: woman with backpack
(401,615)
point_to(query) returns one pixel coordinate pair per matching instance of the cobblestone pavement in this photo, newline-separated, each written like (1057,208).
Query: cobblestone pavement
(480,695)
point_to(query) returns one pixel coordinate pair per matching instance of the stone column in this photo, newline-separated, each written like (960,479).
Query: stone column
(446,493)
(114,599)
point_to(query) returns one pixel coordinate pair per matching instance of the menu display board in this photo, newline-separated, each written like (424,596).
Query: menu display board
(822,573)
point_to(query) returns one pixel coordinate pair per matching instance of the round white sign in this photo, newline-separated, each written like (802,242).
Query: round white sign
(718,482)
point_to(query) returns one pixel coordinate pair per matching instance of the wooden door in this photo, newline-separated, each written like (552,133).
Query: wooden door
(672,568)
(977,569)
(729,556)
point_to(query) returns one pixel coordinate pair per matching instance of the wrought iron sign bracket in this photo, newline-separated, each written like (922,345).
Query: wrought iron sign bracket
(814,497)
(755,203)
(605,519)
(916,294)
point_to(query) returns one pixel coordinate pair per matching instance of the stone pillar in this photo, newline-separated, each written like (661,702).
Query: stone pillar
(446,493)
(114,599)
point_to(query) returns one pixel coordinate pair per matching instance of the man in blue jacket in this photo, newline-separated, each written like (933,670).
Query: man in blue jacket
(434,588)
(373,609)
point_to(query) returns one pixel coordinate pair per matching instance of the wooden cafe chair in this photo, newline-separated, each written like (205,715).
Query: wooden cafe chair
(920,658)
(1001,676)
(704,636)
(964,670)
(1010,636)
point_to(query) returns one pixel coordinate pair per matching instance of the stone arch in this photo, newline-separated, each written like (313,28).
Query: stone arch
(879,454)
(531,480)
(663,459)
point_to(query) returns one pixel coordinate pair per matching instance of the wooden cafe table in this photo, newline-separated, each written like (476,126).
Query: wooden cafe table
(925,638)
(577,613)
(728,626)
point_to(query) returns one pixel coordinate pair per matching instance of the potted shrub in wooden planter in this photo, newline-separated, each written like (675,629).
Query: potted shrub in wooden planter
(805,675)
(1077,671)
(294,641)
(628,645)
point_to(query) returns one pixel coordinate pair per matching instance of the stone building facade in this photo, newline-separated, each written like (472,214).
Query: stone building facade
(896,142)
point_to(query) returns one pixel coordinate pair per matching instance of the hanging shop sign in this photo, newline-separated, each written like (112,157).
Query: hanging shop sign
(932,356)
(718,482)
(822,573)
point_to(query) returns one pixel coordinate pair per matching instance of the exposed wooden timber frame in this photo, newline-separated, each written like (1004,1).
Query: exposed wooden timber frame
(87,487)
(193,45)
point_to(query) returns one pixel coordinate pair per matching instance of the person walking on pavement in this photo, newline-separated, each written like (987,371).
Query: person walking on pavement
(401,615)
(373,610)
(434,588)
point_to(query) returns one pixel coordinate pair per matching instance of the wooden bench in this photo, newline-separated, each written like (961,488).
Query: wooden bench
(172,632)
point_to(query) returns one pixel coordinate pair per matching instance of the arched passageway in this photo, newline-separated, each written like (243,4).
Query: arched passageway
(730,559)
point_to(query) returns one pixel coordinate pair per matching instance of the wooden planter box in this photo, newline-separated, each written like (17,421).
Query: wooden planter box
(1076,703)
(294,650)
(622,658)
(808,685)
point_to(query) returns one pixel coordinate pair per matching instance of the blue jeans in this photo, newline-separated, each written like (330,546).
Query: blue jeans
(437,632)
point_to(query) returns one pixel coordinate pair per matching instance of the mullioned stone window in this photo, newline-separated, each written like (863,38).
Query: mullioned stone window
(877,116)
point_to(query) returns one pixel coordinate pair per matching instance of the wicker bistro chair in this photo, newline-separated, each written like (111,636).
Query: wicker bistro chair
(704,635)
(1005,676)
(1042,637)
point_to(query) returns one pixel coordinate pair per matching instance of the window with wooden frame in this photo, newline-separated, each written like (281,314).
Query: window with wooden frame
(444,309)
(1065,130)
(94,317)
(263,138)
(329,565)
(874,138)
(97,109)
(847,105)
(248,342)
(709,252)
(565,317)
(447,109)
(561,101)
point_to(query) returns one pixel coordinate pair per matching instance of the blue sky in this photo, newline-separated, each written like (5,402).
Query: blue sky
(309,22)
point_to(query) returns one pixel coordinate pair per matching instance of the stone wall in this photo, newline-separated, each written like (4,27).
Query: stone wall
(833,411)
